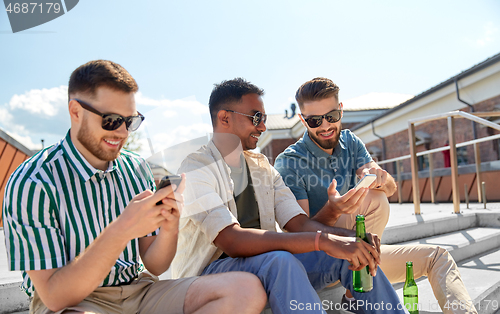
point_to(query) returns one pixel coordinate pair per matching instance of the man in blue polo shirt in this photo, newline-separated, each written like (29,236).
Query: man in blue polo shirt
(321,169)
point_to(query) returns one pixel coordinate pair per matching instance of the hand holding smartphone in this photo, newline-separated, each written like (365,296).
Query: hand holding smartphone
(366,181)
(166,181)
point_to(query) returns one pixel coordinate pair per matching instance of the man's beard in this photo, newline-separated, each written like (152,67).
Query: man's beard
(84,136)
(329,143)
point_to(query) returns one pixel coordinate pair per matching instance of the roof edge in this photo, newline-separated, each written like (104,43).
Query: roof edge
(10,140)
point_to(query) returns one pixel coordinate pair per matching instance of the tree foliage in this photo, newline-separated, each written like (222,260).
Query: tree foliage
(133,143)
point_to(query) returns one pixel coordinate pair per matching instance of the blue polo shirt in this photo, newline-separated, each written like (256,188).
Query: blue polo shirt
(308,170)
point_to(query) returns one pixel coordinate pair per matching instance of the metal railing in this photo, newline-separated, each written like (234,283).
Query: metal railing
(450,116)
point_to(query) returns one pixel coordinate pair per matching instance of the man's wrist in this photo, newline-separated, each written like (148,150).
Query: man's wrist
(334,213)
(171,228)
(323,239)
(117,232)
(316,240)
(349,233)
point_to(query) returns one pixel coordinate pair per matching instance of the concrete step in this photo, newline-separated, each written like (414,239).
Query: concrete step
(12,299)
(465,243)
(478,264)
(481,276)
(428,225)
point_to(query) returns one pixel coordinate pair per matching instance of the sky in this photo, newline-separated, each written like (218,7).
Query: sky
(177,50)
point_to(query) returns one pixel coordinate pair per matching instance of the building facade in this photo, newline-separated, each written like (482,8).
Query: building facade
(385,132)
(12,154)
(474,90)
(478,86)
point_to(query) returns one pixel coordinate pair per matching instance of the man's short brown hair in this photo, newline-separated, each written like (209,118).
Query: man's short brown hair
(316,89)
(98,73)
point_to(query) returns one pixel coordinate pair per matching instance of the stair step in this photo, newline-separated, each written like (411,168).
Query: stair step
(481,276)
(480,269)
(12,299)
(429,225)
(465,243)
(469,247)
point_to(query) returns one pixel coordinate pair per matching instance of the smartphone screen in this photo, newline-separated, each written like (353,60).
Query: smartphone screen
(166,181)
(366,181)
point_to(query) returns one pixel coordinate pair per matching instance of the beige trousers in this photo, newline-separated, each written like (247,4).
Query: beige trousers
(428,260)
(146,295)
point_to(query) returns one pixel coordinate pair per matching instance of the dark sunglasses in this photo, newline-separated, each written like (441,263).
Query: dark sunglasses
(332,117)
(112,121)
(257,118)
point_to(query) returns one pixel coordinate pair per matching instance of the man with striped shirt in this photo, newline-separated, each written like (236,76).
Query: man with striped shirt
(81,215)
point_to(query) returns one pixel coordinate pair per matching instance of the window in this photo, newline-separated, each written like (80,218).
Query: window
(462,156)
(375,152)
(423,162)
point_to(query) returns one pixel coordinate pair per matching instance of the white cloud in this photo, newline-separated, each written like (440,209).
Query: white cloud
(188,103)
(171,122)
(42,114)
(169,113)
(46,102)
(5,115)
(25,140)
(35,115)
(180,134)
(491,32)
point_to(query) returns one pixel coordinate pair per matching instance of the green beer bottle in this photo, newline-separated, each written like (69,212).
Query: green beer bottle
(362,280)
(410,290)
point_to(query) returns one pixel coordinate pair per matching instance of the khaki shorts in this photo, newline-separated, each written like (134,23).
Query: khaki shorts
(146,294)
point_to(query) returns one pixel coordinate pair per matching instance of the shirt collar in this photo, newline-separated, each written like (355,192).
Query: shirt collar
(317,151)
(79,163)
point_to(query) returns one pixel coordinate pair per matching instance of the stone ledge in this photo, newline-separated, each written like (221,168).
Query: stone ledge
(12,298)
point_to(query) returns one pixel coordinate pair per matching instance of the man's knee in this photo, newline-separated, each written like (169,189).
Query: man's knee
(243,291)
(245,284)
(279,265)
(443,257)
(376,210)
(233,290)
(380,200)
(281,259)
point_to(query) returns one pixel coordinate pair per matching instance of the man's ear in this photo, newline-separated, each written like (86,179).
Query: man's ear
(341,107)
(302,120)
(223,119)
(75,111)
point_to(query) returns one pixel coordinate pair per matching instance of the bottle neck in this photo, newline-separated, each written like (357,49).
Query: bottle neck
(409,273)
(360,229)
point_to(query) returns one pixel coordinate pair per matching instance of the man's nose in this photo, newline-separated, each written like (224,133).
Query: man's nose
(261,127)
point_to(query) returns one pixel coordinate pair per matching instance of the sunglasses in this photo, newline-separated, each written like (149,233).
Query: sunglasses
(112,121)
(332,117)
(257,118)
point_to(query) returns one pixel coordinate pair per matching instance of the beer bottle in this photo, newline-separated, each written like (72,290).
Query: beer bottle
(410,290)
(362,280)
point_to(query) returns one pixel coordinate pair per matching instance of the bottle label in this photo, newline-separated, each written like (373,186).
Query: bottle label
(362,280)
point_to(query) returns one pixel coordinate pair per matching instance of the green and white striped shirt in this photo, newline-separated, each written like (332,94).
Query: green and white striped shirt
(56,204)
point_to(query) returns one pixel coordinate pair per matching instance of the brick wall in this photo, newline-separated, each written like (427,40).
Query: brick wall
(10,159)
(273,149)
(398,144)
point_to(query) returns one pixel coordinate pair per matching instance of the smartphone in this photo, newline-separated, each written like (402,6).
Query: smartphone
(166,181)
(366,181)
